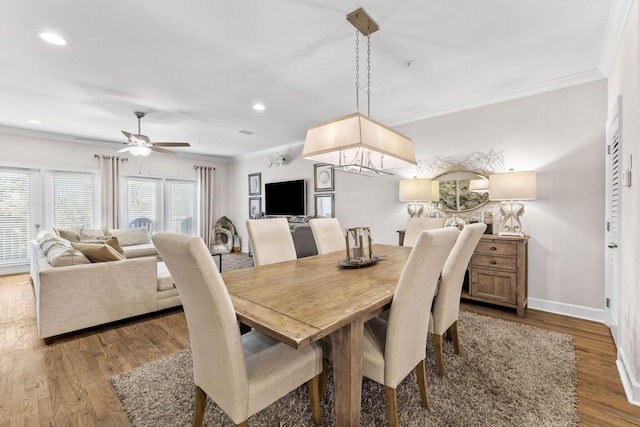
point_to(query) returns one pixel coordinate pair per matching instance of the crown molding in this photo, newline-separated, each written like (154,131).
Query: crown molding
(495,98)
(618,15)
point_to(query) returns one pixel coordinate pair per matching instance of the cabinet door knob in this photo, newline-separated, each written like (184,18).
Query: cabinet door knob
(612,245)
(493,248)
(493,262)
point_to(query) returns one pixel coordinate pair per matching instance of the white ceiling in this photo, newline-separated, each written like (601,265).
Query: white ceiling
(197,67)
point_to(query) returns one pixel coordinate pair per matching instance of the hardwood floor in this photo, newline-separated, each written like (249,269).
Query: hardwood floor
(67,382)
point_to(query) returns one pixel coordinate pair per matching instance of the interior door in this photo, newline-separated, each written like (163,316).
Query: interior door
(613,200)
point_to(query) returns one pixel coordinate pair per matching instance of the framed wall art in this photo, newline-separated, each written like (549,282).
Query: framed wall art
(324,206)
(255,184)
(322,177)
(255,207)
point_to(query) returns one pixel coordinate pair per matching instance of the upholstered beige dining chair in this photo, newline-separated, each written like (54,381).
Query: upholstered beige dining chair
(241,374)
(416,225)
(328,235)
(271,241)
(394,347)
(446,305)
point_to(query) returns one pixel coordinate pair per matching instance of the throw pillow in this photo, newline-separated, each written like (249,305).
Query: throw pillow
(86,234)
(131,236)
(97,252)
(47,244)
(108,240)
(62,256)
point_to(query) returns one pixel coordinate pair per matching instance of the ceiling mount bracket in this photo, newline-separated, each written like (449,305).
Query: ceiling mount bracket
(362,22)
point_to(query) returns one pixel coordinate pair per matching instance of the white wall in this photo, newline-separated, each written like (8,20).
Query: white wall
(623,80)
(559,134)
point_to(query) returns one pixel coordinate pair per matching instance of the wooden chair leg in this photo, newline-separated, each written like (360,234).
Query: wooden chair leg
(314,394)
(392,406)
(324,377)
(421,373)
(201,402)
(243,424)
(454,336)
(437,348)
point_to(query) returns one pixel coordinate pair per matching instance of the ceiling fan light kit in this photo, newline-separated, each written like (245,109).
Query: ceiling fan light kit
(140,145)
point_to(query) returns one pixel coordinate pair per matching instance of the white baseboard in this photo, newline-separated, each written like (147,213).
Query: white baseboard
(630,384)
(597,315)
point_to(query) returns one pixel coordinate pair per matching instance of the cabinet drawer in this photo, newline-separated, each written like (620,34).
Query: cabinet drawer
(497,248)
(502,263)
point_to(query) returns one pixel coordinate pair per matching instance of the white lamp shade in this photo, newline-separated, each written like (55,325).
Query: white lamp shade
(416,190)
(341,141)
(479,185)
(512,186)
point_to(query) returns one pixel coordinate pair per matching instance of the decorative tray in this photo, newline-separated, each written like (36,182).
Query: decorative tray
(345,263)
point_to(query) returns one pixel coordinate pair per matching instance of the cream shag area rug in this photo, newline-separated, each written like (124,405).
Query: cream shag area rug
(234,261)
(508,374)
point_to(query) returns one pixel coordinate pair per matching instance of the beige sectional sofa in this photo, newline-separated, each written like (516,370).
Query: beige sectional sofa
(73,293)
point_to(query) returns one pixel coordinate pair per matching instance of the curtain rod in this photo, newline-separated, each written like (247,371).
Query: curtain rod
(204,167)
(124,159)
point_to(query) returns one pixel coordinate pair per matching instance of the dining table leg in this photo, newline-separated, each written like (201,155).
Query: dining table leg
(347,354)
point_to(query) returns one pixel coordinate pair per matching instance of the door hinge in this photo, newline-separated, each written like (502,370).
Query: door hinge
(608,226)
(607,302)
(609,149)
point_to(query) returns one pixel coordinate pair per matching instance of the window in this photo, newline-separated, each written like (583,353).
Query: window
(73,199)
(15,215)
(181,207)
(160,204)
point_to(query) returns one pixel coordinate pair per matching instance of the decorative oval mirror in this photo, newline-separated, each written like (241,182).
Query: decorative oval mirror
(455,194)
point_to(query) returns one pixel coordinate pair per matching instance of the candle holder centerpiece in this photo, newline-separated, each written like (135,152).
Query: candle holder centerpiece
(359,248)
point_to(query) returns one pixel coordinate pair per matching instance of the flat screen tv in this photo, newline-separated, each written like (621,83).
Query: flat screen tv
(286,198)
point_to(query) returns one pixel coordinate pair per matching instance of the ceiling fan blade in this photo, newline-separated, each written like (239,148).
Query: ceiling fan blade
(131,137)
(162,150)
(171,144)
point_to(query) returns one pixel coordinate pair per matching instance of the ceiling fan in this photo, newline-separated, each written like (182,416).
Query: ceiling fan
(141,145)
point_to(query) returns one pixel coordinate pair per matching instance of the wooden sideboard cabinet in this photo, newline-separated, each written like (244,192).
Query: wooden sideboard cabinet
(498,272)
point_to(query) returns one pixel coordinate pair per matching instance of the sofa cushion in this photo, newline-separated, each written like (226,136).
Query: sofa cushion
(130,236)
(72,235)
(137,251)
(98,252)
(165,281)
(62,256)
(108,240)
(86,234)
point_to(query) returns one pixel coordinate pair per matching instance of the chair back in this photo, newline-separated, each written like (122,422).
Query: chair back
(218,359)
(447,303)
(271,241)
(406,339)
(417,225)
(328,235)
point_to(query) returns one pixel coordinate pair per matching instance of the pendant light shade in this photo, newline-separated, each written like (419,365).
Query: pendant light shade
(356,141)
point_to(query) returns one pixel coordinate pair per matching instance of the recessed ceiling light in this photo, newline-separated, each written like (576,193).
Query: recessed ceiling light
(34,122)
(53,39)
(259,107)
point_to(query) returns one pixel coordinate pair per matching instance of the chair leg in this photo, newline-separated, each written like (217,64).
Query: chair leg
(324,377)
(243,424)
(421,373)
(314,394)
(454,336)
(437,348)
(392,406)
(201,402)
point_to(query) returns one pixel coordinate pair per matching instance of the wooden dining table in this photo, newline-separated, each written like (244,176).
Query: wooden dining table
(301,301)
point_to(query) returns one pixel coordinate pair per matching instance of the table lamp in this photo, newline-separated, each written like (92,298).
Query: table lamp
(416,191)
(511,188)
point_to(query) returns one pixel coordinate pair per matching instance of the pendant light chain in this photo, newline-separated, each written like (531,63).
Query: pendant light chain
(369,74)
(357,71)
